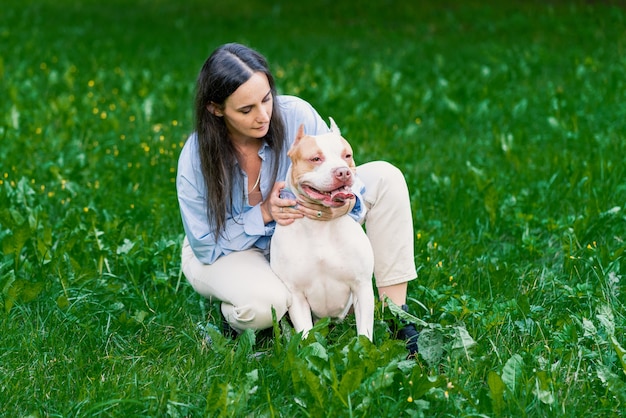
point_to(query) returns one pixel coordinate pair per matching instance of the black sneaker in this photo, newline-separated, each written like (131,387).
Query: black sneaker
(409,334)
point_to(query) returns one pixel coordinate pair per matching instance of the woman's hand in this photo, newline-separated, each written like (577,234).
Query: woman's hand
(283,211)
(324,213)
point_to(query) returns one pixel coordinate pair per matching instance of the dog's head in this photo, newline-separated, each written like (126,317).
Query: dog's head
(322,167)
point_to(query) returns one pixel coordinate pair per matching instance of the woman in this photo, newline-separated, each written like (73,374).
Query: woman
(230,172)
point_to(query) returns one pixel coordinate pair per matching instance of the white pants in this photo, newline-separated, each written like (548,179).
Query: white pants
(247,287)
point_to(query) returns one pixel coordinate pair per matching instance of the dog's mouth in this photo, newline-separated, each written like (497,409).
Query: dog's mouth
(332,198)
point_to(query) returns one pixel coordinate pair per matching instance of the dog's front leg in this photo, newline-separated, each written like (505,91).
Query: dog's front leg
(364,310)
(300,314)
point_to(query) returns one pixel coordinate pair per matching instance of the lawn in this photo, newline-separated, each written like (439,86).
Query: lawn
(507,118)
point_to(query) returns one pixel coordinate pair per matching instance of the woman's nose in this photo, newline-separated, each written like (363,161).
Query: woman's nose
(263,115)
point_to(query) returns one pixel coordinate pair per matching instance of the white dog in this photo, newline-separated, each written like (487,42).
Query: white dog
(327,265)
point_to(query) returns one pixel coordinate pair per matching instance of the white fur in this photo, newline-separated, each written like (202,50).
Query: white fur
(327,265)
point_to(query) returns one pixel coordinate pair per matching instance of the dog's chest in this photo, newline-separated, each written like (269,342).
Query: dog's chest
(310,250)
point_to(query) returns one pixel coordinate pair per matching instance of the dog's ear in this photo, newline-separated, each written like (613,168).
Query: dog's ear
(299,136)
(333,126)
(300,132)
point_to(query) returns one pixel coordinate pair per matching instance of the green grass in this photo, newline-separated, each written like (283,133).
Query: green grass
(507,118)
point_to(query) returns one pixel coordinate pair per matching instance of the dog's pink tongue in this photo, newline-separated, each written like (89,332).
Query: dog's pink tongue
(341,196)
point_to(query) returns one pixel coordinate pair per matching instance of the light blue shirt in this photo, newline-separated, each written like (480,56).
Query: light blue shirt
(244,223)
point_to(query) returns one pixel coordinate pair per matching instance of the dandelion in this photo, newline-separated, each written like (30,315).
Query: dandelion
(418,121)
(131,118)
(409,399)
(451,278)
(43,66)
(38,131)
(440,264)
(91,83)
(112,107)
(95,110)
(50,194)
(85,209)
(174,122)
(132,206)
(103,115)
(419,236)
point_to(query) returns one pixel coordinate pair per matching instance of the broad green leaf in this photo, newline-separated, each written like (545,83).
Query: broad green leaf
(13,244)
(8,293)
(463,342)
(430,343)
(245,342)
(512,371)
(398,312)
(125,247)
(20,290)
(252,379)
(615,385)
(30,290)
(351,381)
(605,316)
(421,384)
(496,389)
(621,353)
(63,302)
(590,328)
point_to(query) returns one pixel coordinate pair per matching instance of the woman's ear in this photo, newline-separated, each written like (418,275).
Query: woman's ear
(214,109)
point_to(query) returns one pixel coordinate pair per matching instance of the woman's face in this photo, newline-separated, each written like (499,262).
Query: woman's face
(248,110)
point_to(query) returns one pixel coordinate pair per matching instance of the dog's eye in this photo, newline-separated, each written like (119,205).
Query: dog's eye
(348,156)
(316,159)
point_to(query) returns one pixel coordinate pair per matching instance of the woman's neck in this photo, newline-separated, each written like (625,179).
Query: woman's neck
(250,162)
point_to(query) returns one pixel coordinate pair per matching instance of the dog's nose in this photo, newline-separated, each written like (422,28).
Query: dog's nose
(343,173)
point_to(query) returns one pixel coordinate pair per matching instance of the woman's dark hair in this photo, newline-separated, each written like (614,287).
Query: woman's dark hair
(228,67)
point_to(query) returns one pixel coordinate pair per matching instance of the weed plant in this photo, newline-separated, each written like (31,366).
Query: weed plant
(507,118)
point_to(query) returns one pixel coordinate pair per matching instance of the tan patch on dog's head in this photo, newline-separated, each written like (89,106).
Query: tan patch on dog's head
(307,147)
